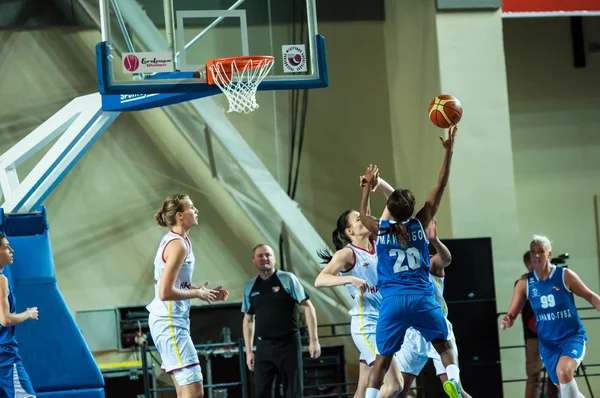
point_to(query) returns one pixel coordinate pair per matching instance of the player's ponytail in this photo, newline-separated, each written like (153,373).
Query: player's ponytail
(325,255)
(338,236)
(160,219)
(401,233)
(167,215)
(401,205)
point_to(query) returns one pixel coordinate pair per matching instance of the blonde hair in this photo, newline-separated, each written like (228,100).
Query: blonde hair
(543,240)
(167,215)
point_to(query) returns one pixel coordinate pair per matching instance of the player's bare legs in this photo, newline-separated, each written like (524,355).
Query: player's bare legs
(392,382)
(194,390)
(377,375)
(408,380)
(564,370)
(363,379)
(452,387)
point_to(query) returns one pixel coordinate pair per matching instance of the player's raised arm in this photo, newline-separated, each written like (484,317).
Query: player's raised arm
(370,222)
(443,257)
(426,214)
(387,190)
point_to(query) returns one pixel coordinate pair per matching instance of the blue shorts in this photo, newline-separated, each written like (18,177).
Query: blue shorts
(14,381)
(398,313)
(573,347)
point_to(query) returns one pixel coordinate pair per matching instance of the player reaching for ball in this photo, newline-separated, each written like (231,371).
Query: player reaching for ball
(403,276)
(415,351)
(354,265)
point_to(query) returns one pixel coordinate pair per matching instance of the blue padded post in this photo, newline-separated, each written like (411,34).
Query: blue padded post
(53,350)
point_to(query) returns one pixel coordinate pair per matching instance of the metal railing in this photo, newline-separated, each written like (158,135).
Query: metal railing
(207,351)
(231,348)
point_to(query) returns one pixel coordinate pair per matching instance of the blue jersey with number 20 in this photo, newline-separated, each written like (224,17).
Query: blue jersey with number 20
(403,270)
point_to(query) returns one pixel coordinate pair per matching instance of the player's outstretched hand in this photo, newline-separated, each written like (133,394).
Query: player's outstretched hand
(372,176)
(448,143)
(206,294)
(363,181)
(222,294)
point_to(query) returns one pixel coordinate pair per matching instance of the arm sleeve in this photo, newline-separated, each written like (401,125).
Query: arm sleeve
(292,285)
(246,305)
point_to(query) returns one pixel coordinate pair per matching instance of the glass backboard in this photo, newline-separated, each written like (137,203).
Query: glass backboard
(162,46)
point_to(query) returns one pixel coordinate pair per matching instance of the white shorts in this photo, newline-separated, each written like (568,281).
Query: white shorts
(363,333)
(416,351)
(172,339)
(190,375)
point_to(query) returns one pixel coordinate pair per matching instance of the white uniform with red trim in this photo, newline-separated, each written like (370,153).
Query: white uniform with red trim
(169,321)
(366,305)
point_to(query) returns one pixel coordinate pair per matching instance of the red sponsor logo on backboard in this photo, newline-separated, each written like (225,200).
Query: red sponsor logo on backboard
(131,63)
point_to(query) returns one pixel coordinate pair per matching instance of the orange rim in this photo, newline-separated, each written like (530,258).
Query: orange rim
(254,61)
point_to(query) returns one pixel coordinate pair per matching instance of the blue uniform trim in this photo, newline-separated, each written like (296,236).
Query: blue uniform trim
(292,286)
(177,86)
(246,306)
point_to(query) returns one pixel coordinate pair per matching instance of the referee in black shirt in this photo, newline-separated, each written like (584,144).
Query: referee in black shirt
(271,302)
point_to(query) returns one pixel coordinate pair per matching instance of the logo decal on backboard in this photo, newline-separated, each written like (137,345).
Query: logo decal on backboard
(147,62)
(294,58)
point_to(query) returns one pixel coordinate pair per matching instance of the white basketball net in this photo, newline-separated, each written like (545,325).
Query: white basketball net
(240,88)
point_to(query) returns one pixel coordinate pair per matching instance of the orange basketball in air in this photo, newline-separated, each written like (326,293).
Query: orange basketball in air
(445,111)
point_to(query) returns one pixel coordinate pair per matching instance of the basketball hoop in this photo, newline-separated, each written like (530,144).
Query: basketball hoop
(238,78)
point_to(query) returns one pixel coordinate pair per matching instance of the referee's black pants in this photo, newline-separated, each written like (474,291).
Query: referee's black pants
(281,356)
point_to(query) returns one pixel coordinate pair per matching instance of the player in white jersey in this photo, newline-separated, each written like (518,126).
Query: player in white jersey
(416,351)
(169,319)
(354,265)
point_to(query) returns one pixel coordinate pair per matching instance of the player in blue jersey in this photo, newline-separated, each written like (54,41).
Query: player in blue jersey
(561,335)
(354,265)
(415,350)
(403,276)
(14,381)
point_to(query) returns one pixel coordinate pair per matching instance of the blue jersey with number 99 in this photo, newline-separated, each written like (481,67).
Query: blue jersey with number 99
(403,270)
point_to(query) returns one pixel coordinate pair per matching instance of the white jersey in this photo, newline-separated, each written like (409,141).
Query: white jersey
(368,303)
(175,308)
(438,293)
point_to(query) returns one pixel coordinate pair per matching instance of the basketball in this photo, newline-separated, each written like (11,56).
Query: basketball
(445,111)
